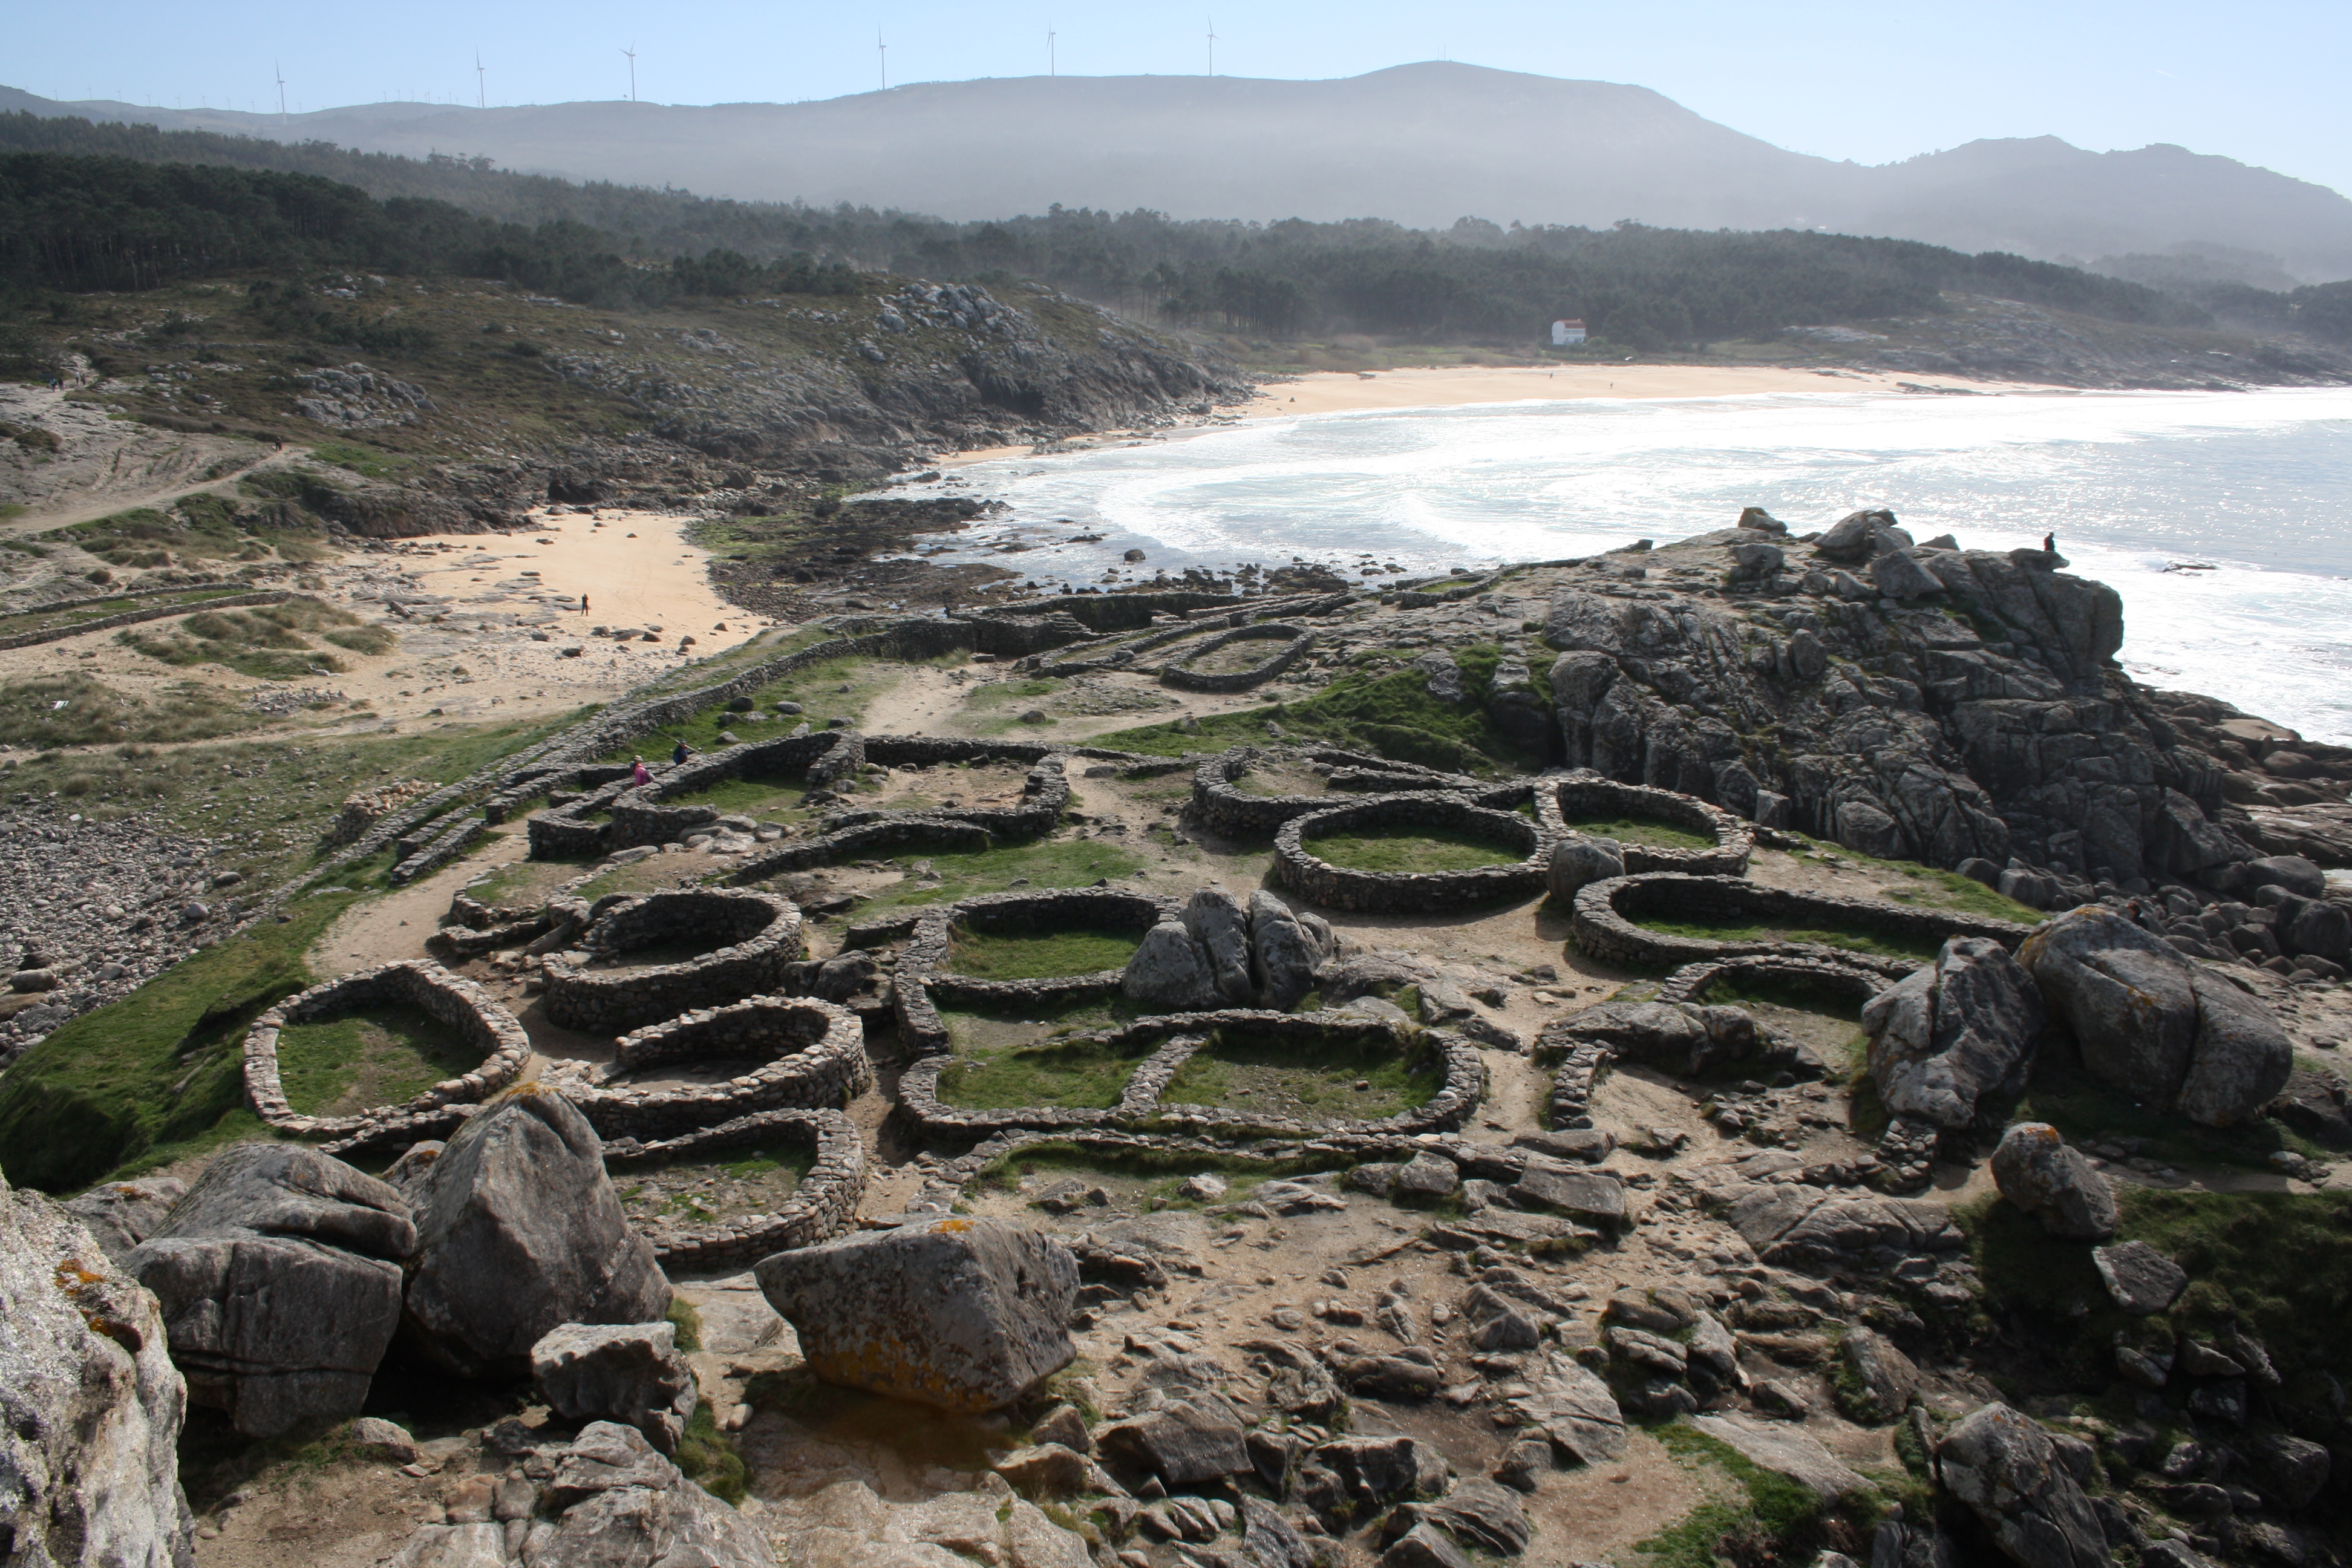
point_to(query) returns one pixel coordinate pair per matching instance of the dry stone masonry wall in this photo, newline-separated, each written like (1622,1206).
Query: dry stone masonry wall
(1605,916)
(755,936)
(1394,892)
(450,999)
(1590,794)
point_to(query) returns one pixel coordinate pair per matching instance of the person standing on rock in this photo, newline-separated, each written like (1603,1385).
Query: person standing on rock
(2050,543)
(639,773)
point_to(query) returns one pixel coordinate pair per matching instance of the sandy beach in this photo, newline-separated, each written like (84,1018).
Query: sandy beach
(1339,392)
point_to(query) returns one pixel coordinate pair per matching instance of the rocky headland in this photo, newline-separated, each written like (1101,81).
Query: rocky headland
(1761,1049)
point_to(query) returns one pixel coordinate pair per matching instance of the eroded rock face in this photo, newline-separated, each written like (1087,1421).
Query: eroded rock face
(1950,1034)
(280,1278)
(1286,949)
(1578,861)
(1169,972)
(2153,1023)
(630,1373)
(2050,1179)
(90,1405)
(519,1231)
(2005,1465)
(1217,922)
(624,1504)
(963,1314)
(121,1215)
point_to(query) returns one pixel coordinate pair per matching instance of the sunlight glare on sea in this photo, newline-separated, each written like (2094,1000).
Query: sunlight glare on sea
(2257,486)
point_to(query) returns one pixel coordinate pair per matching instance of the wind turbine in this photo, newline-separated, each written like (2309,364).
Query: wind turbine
(279,71)
(1212,46)
(1051,68)
(481,82)
(632,52)
(883,50)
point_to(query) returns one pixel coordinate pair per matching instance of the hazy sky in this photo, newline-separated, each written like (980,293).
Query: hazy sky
(2259,80)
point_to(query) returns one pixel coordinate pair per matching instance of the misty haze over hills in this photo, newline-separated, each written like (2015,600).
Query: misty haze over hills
(1421,145)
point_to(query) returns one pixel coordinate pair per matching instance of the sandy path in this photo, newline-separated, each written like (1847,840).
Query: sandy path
(108,465)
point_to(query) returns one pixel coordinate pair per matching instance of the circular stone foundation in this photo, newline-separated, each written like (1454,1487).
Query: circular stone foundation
(450,999)
(1294,642)
(1162,1047)
(787,1053)
(752,937)
(1731,841)
(926,975)
(1522,849)
(821,1205)
(1607,915)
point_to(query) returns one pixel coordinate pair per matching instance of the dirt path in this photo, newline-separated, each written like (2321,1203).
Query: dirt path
(106,465)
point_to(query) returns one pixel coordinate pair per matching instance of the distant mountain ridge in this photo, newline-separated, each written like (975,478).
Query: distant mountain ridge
(1421,145)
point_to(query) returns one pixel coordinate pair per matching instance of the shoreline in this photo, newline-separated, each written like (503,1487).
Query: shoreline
(1450,386)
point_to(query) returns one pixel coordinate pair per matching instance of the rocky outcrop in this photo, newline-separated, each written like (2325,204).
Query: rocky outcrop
(1954,1033)
(621,1503)
(629,1372)
(1169,972)
(962,1314)
(2165,1030)
(1286,948)
(519,1230)
(89,1404)
(280,1278)
(1942,705)
(2005,1465)
(2040,1172)
(121,1215)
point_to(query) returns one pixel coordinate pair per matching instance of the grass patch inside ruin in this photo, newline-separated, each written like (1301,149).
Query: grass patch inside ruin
(1077,1074)
(967,873)
(1647,831)
(980,1030)
(748,797)
(378,1056)
(722,1185)
(1847,938)
(1037,953)
(1410,849)
(1334,1078)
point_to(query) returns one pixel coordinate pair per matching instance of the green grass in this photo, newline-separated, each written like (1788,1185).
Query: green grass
(793,1160)
(1779,1520)
(1391,714)
(1076,1074)
(159,1072)
(73,709)
(710,1459)
(46,620)
(748,797)
(1851,938)
(816,689)
(1930,888)
(979,1030)
(1037,954)
(996,693)
(1410,849)
(265,641)
(2281,1262)
(369,639)
(364,461)
(380,1056)
(1643,830)
(966,873)
(1242,1071)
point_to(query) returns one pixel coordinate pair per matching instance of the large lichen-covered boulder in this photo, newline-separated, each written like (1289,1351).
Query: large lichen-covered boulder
(121,1215)
(1169,972)
(1286,948)
(961,1314)
(1579,859)
(519,1230)
(2005,1465)
(2047,1177)
(280,1278)
(2165,1030)
(1215,920)
(1952,1033)
(89,1404)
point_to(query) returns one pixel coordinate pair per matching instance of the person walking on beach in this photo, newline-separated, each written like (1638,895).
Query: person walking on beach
(583,603)
(639,773)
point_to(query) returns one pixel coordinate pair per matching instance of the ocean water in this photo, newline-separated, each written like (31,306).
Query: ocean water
(2139,487)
